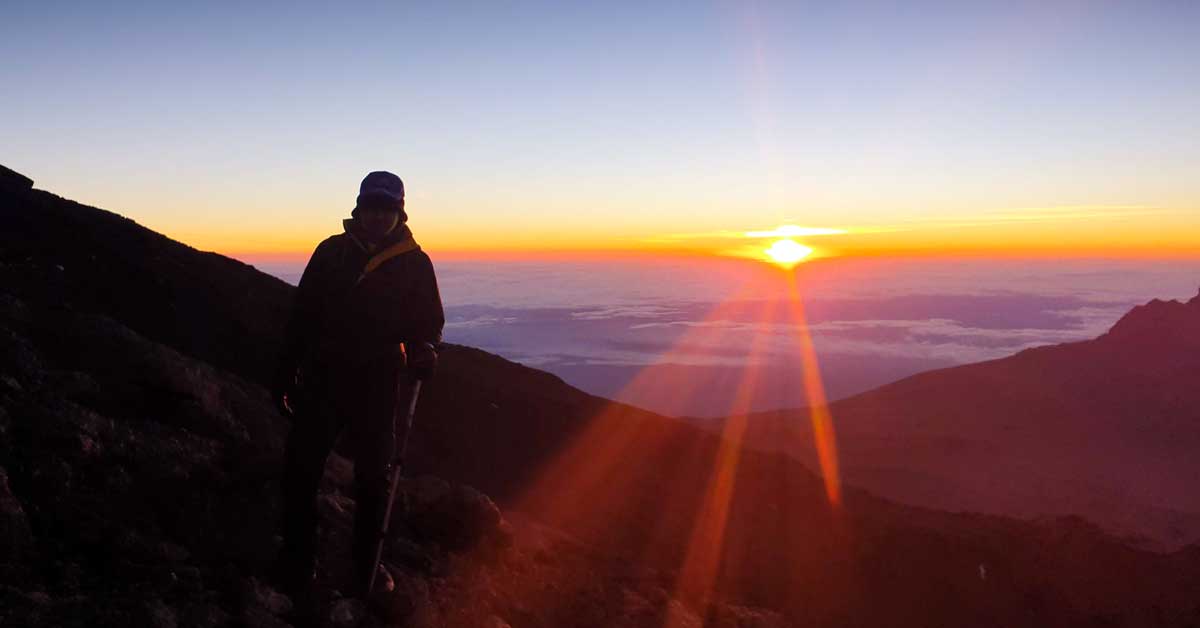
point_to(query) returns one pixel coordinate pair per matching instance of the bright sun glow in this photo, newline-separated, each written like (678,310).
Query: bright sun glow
(787,253)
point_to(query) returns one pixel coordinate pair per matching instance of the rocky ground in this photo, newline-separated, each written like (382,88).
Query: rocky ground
(139,487)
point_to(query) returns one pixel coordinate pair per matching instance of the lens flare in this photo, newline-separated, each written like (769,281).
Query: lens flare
(787,252)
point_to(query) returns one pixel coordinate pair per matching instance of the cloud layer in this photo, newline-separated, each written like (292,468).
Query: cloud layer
(691,326)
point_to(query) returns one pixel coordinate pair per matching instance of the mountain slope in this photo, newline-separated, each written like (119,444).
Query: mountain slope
(620,499)
(1106,428)
(207,305)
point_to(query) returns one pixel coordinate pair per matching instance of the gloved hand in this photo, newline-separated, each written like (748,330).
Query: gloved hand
(422,360)
(283,391)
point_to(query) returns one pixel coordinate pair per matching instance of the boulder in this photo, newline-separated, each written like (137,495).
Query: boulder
(455,516)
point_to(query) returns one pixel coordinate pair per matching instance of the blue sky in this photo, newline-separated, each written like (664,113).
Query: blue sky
(235,126)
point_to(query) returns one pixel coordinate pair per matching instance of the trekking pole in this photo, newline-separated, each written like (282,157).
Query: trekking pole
(394,483)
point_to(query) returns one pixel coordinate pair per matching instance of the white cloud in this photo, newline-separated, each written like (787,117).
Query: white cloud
(481,321)
(624,311)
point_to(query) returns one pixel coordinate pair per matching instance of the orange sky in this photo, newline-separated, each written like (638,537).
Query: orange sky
(1125,232)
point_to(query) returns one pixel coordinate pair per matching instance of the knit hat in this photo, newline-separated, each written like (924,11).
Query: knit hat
(381,186)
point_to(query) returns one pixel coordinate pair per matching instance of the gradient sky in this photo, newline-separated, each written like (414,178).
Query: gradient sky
(1013,126)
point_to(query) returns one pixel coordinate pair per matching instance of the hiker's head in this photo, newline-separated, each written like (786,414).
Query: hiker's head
(380,205)
(377,218)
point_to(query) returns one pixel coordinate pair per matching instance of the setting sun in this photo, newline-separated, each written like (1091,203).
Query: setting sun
(787,253)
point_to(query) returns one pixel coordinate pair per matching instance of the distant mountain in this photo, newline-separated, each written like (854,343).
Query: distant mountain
(1107,428)
(140,456)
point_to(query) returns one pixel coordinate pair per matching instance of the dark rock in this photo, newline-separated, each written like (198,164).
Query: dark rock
(335,506)
(158,615)
(17,574)
(255,617)
(118,481)
(456,517)
(403,551)
(203,615)
(409,597)
(16,539)
(339,473)
(258,594)
(678,614)
(19,360)
(73,384)
(731,616)
(10,383)
(170,552)
(347,613)
(188,578)
(70,576)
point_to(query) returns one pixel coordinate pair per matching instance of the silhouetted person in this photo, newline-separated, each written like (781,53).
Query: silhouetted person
(363,293)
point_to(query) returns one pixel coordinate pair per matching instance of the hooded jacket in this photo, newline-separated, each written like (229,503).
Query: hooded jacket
(355,301)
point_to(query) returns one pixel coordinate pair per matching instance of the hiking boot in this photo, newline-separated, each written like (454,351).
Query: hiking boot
(357,588)
(383,580)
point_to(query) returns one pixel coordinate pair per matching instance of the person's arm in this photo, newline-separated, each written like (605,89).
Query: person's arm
(426,319)
(301,325)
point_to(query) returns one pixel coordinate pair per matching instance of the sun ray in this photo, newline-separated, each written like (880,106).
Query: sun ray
(600,476)
(705,548)
(589,464)
(824,436)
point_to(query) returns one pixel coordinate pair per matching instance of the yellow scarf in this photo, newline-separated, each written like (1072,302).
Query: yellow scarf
(377,260)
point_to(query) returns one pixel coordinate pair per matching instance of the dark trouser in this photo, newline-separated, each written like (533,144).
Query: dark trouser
(362,400)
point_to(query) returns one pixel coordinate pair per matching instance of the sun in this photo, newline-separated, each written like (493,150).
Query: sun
(787,253)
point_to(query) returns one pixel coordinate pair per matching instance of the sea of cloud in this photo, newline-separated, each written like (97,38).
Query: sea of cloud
(680,335)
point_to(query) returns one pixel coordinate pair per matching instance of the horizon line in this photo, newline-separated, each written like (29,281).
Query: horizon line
(606,253)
